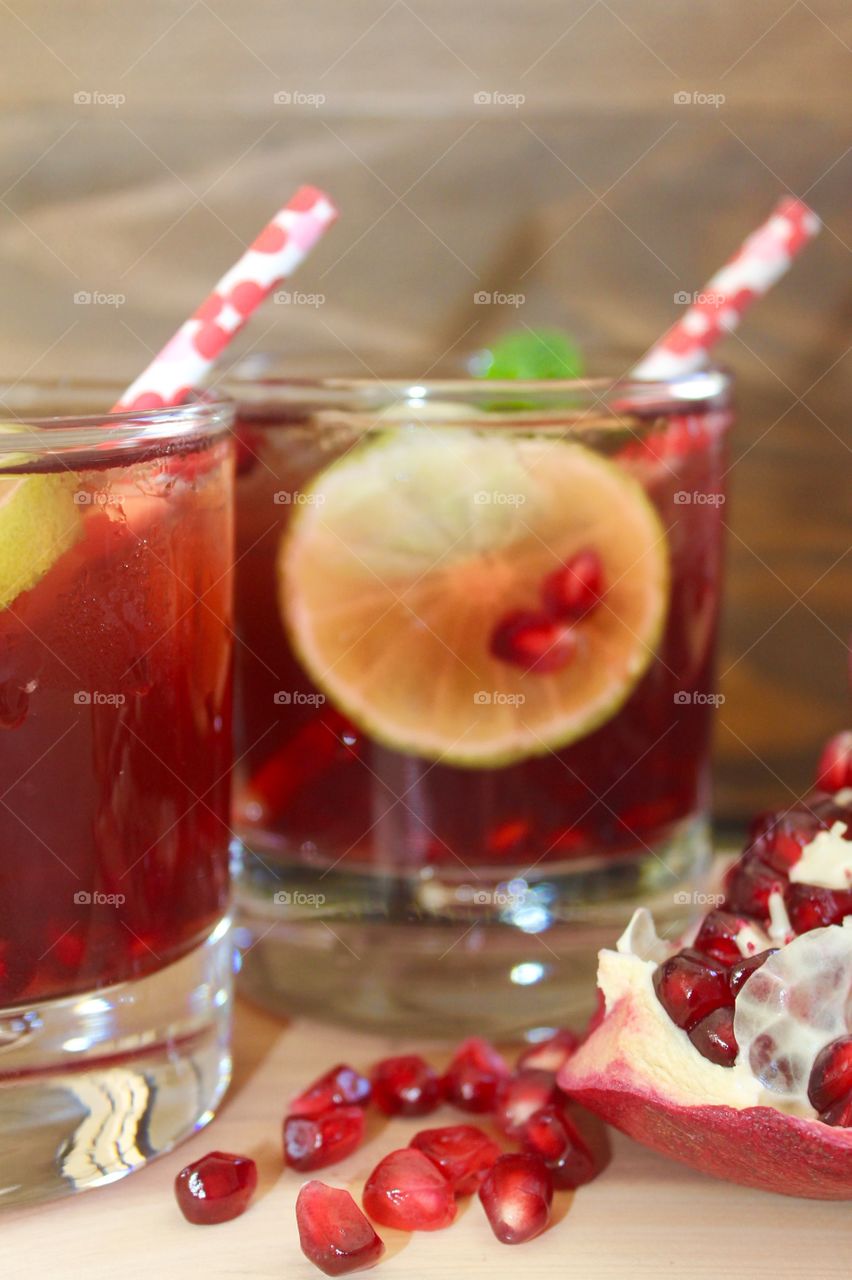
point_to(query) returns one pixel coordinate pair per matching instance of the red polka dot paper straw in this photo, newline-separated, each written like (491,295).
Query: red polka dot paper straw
(761,260)
(186,360)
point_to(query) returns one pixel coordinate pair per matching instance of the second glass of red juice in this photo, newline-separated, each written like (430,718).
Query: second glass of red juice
(475,686)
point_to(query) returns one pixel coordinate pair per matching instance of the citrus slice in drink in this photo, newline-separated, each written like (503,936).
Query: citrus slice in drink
(405,557)
(39,520)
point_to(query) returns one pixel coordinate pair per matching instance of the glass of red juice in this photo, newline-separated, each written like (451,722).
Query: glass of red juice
(115,747)
(475,685)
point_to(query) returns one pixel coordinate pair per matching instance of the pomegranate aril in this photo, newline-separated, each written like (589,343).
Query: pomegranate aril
(714,1037)
(463,1153)
(839,1113)
(811,907)
(552,1136)
(533,642)
(407,1191)
(718,933)
(749,883)
(834,771)
(551,1054)
(575,587)
(521,1096)
(342,1086)
(831,1075)
(689,986)
(474,1075)
(516,1195)
(311,1142)
(333,1232)
(215,1188)
(743,969)
(406,1086)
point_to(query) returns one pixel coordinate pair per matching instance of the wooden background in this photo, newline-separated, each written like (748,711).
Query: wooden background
(142,145)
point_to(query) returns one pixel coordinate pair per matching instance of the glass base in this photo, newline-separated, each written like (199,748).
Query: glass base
(438,956)
(95,1085)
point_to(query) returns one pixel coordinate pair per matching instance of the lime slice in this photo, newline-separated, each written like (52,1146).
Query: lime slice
(544,353)
(39,520)
(407,552)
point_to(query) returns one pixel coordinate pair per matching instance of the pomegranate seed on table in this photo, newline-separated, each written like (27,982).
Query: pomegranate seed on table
(551,1054)
(463,1153)
(520,1096)
(575,587)
(311,1142)
(689,986)
(406,1086)
(516,1195)
(552,1136)
(834,771)
(743,969)
(717,936)
(533,641)
(831,1075)
(407,1191)
(342,1086)
(333,1232)
(810,907)
(215,1188)
(474,1075)
(714,1037)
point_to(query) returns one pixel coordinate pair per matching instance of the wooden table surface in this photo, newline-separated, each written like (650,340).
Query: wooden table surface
(644,1217)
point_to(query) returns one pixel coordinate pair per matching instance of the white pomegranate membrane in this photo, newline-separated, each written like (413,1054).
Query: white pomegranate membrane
(742,1035)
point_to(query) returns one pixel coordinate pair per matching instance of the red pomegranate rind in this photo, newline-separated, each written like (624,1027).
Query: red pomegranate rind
(474,1075)
(341,1086)
(516,1195)
(333,1232)
(550,1054)
(406,1085)
(757,1146)
(521,1096)
(216,1188)
(312,1142)
(408,1191)
(463,1153)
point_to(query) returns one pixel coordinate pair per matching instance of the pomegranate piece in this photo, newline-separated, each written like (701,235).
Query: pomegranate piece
(333,1232)
(553,1137)
(717,936)
(521,1096)
(550,1054)
(743,969)
(516,1195)
(810,907)
(474,1075)
(831,1075)
(533,641)
(749,883)
(689,986)
(463,1153)
(407,1191)
(215,1188)
(342,1086)
(714,1037)
(839,1113)
(311,1142)
(834,771)
(406,1086)
(573,589)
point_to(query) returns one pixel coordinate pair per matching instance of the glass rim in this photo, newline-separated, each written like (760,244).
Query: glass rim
(25,400)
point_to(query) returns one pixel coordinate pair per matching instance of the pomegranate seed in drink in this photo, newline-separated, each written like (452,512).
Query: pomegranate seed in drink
(810,907)
(463,1153)
(551,1054)
(215,1188)
(533,641)
(474,1075)
(717,936)
(311,1142)
(333,1232)
(831,1075)
(552,1136)
(407,1191)
(743,969)
(520,1096)
(406,1085)
(575,587)
(342,1086)
(516,1194)
(834,771)
(714,1037)
(689,986)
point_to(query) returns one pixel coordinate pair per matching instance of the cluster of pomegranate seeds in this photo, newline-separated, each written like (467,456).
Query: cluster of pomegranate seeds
(342,1086)
(215,1188)
(406,1086)
(311,1142)
(520,1096)
(834,771)
(474,1076)
(830,1083)
(333,1232)
(463,1153)
(690,986)
(516,1195)
(543,640)
(553,1137)
(407,1191)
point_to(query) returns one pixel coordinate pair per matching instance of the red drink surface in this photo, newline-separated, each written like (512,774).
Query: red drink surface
(115,730)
